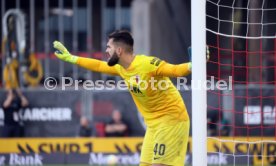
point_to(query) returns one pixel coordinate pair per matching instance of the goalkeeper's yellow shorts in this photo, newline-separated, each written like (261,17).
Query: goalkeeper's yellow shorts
(166,145)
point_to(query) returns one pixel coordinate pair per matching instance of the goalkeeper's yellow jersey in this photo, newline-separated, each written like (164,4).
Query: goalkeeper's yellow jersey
(148,81)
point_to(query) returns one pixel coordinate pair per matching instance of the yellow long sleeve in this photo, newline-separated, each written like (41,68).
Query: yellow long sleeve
(170,70)
(96,65)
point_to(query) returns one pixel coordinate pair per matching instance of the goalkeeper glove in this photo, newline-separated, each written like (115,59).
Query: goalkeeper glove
(63,54)
(190,56)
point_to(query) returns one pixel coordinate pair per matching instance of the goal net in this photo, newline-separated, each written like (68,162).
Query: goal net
(241,118)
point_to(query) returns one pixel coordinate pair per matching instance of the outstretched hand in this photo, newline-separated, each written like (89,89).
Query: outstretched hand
(63,54)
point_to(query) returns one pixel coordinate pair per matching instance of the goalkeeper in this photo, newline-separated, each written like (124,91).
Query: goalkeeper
(164,111)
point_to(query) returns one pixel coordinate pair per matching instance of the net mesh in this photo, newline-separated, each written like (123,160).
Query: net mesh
(241,118)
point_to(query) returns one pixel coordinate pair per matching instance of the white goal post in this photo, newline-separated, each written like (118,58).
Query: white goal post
(199,96)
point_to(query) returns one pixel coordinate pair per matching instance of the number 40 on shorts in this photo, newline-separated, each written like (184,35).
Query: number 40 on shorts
(159,149)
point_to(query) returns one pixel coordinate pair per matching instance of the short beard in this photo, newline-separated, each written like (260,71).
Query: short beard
(113,60)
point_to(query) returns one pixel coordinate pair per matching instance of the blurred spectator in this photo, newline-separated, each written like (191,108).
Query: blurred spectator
(85,127)
(212,120)
(116,127)
(224,127)
(13,126)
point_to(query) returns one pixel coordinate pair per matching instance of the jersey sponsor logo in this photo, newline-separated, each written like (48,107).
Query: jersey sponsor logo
(134,82)
(136,91)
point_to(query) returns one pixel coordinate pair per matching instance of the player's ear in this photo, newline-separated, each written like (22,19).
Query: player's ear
(119,51)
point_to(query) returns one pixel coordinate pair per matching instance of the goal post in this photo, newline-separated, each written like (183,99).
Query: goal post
(199,95)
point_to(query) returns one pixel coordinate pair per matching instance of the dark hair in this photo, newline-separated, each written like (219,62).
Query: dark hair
(124,37)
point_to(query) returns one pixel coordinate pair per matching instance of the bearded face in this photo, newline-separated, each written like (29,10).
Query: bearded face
(111,51)
(113,60)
